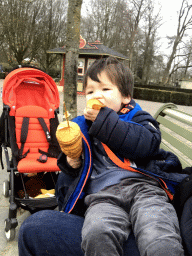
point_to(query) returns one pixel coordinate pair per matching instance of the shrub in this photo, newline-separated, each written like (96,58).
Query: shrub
(180,98)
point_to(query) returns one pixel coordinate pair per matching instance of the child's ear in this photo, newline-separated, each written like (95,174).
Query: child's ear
(126,100)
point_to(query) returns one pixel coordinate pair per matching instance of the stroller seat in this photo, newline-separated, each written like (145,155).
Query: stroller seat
(32,135)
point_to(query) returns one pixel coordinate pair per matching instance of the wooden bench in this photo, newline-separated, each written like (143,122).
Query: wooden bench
(176,130)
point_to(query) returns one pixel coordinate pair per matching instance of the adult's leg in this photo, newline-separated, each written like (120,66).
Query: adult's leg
(51,233)
(186,225)
(155,222)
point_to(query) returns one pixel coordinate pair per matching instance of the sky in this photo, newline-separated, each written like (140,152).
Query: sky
(169,11)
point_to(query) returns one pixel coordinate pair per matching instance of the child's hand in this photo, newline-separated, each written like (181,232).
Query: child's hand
(91,114)
(74,162)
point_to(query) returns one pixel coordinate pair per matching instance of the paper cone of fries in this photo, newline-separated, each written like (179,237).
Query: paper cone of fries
(69,137)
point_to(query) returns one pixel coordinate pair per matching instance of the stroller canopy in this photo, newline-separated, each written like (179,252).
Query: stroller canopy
(30,86)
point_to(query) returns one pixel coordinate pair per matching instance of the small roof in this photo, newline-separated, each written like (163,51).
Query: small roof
(96,48)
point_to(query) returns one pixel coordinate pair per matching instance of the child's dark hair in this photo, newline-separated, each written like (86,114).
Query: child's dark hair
(117,72)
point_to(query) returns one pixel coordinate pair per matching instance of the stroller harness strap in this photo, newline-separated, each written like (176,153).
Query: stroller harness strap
(45,128)
(24,132)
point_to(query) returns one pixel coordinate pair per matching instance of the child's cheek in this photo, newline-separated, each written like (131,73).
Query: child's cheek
(88,97)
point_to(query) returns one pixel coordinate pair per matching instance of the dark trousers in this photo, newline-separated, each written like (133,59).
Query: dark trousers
(186,226)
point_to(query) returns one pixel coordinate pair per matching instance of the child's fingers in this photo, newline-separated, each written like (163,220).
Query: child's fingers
(75,163)
(90,114)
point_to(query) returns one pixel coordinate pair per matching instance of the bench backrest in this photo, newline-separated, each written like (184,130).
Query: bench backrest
(176,130)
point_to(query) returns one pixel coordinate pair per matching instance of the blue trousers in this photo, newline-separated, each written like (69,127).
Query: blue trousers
(56,233)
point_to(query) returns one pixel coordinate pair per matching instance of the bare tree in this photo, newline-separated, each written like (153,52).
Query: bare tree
(116,24)
(18,19)
(99,24)
(51,31)
(152,23)
(157,68)
(184,23)
(72,53)
(188,57)
(87,28)
(182,64)
(136,11)
(29,28)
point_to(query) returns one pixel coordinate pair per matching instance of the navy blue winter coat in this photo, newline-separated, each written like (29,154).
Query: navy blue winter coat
(134,135)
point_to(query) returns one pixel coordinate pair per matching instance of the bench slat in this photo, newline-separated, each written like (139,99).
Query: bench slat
(175,142)
(178,115)
(183,160)
(171,131)
(184,132)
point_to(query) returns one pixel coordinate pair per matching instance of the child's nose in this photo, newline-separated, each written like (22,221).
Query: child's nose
(97,94)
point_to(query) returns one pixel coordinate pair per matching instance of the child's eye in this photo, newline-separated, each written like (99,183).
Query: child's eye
(106,89)
(89,92)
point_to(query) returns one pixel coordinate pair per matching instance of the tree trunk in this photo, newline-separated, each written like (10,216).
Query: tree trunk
(169,63)
(72,54)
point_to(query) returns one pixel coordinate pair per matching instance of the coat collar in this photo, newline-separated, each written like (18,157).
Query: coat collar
(128,107)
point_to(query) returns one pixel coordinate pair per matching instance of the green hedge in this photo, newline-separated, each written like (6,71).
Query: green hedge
(180,98)
(165,88)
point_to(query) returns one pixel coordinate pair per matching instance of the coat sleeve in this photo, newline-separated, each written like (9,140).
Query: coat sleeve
(134,140)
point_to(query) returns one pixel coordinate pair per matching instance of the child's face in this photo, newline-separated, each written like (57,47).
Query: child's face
(105,91)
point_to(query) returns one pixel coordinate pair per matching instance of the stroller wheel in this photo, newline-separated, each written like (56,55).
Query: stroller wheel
(10,225)
(6,188)
(10,235)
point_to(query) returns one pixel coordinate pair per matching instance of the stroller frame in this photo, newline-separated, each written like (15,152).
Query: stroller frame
(11,222)
(27,203)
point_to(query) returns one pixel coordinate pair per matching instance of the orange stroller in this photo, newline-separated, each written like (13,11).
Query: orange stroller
(30,108)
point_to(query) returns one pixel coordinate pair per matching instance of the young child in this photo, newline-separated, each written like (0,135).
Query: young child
(119,174)
(119,180)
